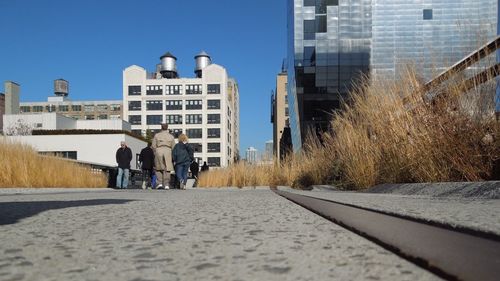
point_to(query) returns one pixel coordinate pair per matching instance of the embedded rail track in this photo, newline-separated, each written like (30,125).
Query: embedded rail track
(451,253)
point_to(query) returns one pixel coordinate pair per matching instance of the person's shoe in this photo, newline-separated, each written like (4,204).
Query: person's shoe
(183,185)
(159,186)
(166,187)
(143,185)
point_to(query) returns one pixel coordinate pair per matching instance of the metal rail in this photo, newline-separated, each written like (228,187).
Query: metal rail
(455,254)
(463,64)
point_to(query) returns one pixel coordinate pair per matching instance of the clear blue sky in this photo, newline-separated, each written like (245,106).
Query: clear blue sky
(90,42)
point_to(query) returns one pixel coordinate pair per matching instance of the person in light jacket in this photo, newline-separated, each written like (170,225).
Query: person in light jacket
(123,158)
(182,155)
(162,145)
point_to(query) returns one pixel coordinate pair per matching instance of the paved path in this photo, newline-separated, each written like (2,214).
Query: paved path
(182,235)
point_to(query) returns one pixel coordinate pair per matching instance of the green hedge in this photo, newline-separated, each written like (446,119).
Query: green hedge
(85,132)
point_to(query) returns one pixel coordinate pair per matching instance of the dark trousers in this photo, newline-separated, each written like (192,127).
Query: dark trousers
(147,177)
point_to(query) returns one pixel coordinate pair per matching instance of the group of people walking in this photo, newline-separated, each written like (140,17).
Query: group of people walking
(159,159)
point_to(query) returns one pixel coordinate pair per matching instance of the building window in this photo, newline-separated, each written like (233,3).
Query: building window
(25,109)
(173,89)
(194,119)
(37,108)
(134,119)
(63,154)
(194,133)
(213,133)
(321,24)
(114,116)
(213,147)
(309,56)
(154,90)
(115,107)
(102,117)
(287,113)
(89,108)
(309,3)
(332,2)
(89,117)
(197,147)
(213,118)
(213,104)
(427,14)
(50,108)
(137,132)
(134,90)
(153,119)
(154,105)
(102,107)
(175,132)
(193,104)
(134,105)
(76,108)
(173,105)
(193,89)
(213,88)
(173,119)
(213,161)
(321,7)
(309,30)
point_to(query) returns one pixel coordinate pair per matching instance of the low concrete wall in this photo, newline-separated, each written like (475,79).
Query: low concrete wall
(98,149)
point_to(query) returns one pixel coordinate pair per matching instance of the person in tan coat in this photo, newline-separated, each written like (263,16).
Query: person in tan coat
(162,145)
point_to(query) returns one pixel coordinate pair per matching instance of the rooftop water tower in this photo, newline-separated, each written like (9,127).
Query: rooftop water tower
(168,68)
(61,88)
(202,60)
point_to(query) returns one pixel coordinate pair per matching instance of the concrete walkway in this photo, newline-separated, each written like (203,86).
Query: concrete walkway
(182,235)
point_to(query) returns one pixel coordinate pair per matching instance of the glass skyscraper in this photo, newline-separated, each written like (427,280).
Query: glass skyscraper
(332,43)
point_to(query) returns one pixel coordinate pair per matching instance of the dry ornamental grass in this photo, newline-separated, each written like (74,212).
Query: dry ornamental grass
(22,166)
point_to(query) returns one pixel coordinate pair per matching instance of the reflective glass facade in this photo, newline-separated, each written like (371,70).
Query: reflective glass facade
(332,42)
(431,34)
(329,43)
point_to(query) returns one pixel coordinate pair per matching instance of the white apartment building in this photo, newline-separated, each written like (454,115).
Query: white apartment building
(205,108)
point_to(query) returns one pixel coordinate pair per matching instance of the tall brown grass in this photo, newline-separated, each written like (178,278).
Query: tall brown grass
(390,132)
(22,166)
(299,170)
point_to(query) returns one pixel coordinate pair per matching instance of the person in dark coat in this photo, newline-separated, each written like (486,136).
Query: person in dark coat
(182,156)
(123,158)
(194,168)
(204,167)
(147,158)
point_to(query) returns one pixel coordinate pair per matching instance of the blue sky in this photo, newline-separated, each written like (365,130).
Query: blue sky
(90,42)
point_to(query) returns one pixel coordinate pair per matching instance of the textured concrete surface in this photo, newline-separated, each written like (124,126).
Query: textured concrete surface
(182,235)
(485,190)
(471,212)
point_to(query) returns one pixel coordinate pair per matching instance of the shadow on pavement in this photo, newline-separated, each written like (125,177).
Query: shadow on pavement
(12,212)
